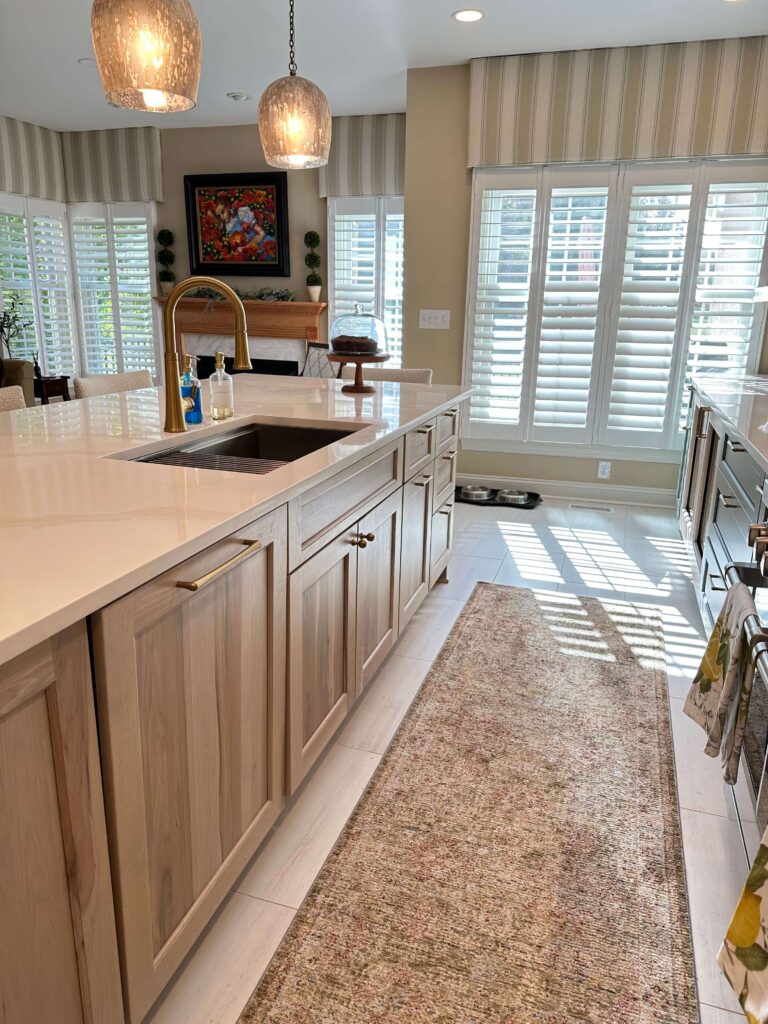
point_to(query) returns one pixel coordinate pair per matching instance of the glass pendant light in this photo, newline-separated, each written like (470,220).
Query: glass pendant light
(148,53)
(294,119)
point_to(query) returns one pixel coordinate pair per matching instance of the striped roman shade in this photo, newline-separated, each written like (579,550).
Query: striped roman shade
(115,165)
(367,157)
(30,160)
(699,99)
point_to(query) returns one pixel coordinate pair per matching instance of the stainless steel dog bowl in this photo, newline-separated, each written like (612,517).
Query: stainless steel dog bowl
(508,496)
(475,492)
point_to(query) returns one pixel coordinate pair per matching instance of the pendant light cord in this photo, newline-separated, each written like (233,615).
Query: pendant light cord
(292,41)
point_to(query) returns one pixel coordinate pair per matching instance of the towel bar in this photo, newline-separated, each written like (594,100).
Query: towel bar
(757,635)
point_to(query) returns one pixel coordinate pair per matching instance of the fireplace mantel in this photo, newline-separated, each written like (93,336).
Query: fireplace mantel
(291,320)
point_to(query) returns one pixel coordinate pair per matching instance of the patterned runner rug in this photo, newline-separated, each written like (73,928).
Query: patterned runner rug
(518,856)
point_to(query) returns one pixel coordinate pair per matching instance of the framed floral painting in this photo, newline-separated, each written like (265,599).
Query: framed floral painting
(238,224)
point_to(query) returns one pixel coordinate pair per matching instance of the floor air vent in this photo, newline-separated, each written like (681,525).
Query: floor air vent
(586,506)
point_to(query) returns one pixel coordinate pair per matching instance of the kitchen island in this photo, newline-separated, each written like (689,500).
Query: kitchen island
(217,627)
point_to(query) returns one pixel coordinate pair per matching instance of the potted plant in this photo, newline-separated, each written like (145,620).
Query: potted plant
(313,261)
(166,259)
(12,326)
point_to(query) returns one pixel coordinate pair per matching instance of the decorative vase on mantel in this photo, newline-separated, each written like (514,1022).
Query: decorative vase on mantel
(314,292)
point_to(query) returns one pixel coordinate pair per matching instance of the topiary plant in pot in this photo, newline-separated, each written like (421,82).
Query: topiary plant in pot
(313,261)
(166,259)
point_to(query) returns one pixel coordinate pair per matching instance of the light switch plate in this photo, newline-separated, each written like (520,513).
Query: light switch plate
(435,319)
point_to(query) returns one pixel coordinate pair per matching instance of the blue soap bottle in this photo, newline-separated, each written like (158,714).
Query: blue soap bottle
(190,388)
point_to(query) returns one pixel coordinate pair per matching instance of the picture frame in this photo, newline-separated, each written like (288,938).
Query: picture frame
(237,224)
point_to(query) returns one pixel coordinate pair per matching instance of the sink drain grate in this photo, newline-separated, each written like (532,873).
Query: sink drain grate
(228,463)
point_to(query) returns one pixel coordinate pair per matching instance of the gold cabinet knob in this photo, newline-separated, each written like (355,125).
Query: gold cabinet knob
(359,542)
(368,536)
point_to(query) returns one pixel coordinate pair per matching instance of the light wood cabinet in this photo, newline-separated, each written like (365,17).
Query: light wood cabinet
(448,426)
(322,663)
(58,948)
(441,541)
(190,676)
(336,504)
(415,545)
(378,586)
(420,444)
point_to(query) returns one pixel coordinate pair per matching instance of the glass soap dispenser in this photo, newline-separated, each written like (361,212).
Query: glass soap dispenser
(222,391)
(190,389)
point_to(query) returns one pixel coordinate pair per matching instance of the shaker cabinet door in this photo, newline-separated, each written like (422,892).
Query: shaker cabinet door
(378,586)
(58,948)
(415,545)
(322,670)
(190,676)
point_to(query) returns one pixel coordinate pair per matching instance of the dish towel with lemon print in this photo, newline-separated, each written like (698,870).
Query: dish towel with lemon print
(719,696)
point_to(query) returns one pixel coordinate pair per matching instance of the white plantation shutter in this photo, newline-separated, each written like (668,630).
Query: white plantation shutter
(498,318)
(16,273)
(134,292)
(365,258)
(569,318)
(394,243)
(112,262)
(34,267)
(596,291)
(647,317)
(91,257)
(722,335)
(55,319)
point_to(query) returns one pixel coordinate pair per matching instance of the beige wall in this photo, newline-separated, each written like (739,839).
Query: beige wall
(232,149)
(437,213)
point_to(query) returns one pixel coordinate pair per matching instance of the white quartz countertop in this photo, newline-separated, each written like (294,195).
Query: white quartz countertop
(81,525)
(741,403)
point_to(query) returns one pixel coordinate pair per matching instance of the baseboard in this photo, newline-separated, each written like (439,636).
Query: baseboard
(618,494)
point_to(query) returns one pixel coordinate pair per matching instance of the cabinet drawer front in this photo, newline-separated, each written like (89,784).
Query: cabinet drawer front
(731,521)
(420,446)
(191,700)
(445,477)
(323,512)
(442,541)
(448,426)
(746,473)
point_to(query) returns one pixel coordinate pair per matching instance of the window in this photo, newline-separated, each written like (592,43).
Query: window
(596,291)
(113,272)
(82,277)
(365,256)
(35,271)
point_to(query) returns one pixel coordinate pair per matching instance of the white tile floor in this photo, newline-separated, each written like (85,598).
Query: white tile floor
(633,554)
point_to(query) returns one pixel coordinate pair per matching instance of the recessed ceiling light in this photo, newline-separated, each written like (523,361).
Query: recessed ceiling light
(239,97)
(87,62)
(469,14)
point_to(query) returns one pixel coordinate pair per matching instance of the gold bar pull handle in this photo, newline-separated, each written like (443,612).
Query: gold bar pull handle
(425,430)
(423,482)
(450,457)
(251,547)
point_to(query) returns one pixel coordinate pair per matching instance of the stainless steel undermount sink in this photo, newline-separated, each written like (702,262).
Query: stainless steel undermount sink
(255,448)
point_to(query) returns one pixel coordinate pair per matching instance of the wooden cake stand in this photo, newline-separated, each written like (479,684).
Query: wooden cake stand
(359,387)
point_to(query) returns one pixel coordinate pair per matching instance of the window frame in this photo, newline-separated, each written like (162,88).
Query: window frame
(701,174)
(380,207)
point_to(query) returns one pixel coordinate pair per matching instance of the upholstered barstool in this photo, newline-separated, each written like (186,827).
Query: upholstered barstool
(12,397)
(111,383)
(397,375)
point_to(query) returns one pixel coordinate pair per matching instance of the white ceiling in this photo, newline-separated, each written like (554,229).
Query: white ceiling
(357,50)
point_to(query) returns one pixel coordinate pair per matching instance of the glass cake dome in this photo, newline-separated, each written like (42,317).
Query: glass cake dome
(358,333)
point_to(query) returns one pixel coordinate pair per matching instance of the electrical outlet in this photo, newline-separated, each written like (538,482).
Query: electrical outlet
(603,471)
(435,319)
